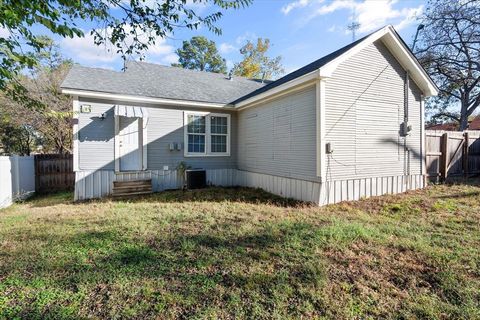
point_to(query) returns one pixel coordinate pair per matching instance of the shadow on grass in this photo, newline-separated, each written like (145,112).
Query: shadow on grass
(211,194)
(460,180)
(195,270)
(49,200)
(458,195)
(218,194)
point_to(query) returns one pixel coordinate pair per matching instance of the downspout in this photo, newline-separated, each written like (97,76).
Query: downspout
(406,126)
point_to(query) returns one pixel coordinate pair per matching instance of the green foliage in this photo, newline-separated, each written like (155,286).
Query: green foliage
(49,125)
(199,53)
(131,27)
(17,139)
(256,64)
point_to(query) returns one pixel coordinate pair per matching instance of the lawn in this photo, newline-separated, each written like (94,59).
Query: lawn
(243,253)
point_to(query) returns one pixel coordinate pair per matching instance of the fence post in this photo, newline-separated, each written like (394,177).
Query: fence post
(465,155)
(16,173)
(444,157)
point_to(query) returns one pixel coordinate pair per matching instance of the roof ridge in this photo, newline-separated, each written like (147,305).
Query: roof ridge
(191,70)
(78,65)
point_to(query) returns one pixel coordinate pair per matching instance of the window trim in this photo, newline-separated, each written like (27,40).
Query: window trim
(203,114)
(208,135)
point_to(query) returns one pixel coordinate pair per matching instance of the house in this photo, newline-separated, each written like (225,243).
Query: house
(473,124)
(346,126)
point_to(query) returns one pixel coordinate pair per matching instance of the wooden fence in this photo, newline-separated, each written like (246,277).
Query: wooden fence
(452,154)
(54,172)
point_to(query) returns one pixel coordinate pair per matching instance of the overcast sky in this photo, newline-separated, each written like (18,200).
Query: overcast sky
(301,31)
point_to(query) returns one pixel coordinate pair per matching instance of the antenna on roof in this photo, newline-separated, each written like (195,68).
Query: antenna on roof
(354,26)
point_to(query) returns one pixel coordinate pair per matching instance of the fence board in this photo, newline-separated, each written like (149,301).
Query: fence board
(54,172)
(450,153)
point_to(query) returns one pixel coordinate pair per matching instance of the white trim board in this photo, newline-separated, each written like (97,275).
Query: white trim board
(75,128)
(293,85)
(320,128)
(396,46)
(142,99)
(387,35)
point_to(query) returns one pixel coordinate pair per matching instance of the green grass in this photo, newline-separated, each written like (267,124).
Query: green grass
(243,253)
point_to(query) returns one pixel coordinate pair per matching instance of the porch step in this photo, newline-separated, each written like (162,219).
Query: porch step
(131,194)
(132,188)
(132,183)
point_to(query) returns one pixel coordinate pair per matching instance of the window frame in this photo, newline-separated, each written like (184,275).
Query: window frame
(208,134)
(198,134)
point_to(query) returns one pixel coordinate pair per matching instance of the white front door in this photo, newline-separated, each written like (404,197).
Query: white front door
(129,144)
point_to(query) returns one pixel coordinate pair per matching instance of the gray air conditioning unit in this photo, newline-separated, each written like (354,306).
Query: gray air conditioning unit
(196,178)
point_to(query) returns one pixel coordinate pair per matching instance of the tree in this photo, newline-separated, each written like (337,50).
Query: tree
(449,49)
(14,139)
(256,64)
(201,54)
(48,126)
(131,27)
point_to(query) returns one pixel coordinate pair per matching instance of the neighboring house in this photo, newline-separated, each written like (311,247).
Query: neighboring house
(473,124)
(346,126)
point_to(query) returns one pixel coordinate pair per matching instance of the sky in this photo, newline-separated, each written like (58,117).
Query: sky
(300,31)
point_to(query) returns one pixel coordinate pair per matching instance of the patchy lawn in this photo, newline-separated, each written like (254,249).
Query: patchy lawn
(242,253)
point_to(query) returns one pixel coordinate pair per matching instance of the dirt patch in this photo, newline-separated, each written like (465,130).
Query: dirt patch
(380,277)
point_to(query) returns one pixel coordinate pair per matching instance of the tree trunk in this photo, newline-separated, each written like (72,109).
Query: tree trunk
(463,123)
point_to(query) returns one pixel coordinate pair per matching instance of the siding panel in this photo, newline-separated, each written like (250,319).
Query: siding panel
(279,137)
(164,126)
(364,111)
(96,137)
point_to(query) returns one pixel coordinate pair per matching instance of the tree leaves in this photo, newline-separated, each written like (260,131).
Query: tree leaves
(256,64)
(199,53)
(130,26)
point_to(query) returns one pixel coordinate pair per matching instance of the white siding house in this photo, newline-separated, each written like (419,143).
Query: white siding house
(346,126)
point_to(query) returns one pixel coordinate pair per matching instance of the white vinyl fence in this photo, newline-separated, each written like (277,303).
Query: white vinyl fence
(17,179)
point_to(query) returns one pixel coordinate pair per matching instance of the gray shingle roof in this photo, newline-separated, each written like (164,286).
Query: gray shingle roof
(153,80)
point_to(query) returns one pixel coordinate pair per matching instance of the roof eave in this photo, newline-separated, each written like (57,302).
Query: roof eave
(295,84)
(391,39)
(144,99)
(400,51)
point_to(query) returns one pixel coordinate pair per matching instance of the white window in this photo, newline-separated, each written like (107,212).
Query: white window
(207,134)
(195,133)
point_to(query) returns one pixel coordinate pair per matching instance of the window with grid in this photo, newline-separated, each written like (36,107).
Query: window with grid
(207,134)
(196,133)
(218,134)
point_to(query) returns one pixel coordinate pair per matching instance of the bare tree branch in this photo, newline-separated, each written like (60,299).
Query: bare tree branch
(449,49)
